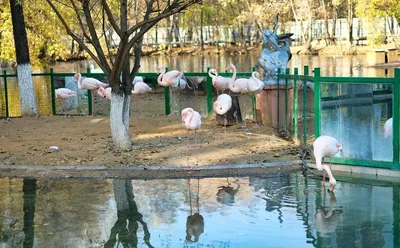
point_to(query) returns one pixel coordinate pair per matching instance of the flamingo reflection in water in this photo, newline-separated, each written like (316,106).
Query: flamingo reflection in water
(194,222)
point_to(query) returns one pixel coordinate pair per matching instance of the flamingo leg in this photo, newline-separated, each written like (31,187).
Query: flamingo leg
(244,116)
(253,99)
(65,109)
(188,151)
(92,103)
(140,106)
(324,172)
(197,147)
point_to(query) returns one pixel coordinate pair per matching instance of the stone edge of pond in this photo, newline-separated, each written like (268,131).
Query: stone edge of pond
(144,172)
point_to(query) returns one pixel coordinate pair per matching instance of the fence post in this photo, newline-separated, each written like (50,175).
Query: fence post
(209,88)
(305,106)
(317,96)
(89,92)
(277,97)
(296,72)
(53,92)
(6,92)
(286,99)
(396,118)
(167,99)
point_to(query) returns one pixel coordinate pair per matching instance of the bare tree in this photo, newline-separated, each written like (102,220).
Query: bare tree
(24,72)
(129,20)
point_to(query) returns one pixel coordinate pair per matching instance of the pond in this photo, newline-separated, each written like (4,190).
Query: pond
(277,209)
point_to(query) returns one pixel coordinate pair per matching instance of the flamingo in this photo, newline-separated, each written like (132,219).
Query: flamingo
(326,146)
(104,92)
(191,120)
(223,105)
(219,82)
(240,85)
(173,78)
(387,128)
(64,93)
(140,88)
(91,84)
(137,79)
(255,86)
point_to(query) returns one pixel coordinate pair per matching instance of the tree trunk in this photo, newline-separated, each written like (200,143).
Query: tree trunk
(326,23)
(24,73)
(201,29)
(119,121)
(350,21)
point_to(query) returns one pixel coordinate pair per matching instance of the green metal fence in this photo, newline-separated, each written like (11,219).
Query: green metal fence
(352,109)
(336,106)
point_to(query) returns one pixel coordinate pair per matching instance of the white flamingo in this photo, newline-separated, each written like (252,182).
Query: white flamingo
(140,88)
(137,79)
(387,128)
(91,84)
(104,92)
(219,82)
(326,146)
(240,86)
(64,93)
(173,78)
(191,121)
(223,105)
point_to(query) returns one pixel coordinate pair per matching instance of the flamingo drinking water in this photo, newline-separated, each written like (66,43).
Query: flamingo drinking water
(89,84)
(64,93)
(326,146)
(191,120)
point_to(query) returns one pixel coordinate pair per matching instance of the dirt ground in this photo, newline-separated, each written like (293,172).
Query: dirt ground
(157,140)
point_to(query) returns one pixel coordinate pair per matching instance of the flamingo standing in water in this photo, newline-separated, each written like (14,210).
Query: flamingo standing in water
(191,120)
(64,93)
(140,88)
(326,146)
(387,128)
(219,82)
(91,84)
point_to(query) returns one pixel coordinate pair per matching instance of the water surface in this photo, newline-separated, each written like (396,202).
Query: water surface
(272,210)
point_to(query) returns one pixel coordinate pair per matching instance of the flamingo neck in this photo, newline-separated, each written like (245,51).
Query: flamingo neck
(79,81)
(234,72)
(159,79)
(212,74)
(260,83)
(318,162)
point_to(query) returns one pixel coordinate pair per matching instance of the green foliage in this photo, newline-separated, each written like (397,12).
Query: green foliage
(47,40)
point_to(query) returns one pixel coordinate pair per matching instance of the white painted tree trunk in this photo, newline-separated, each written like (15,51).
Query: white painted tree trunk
(119,121)
(26,93)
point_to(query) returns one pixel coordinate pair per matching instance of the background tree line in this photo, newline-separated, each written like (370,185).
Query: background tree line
(48,40)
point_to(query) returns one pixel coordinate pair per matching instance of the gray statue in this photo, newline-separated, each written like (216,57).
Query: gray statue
(274,56)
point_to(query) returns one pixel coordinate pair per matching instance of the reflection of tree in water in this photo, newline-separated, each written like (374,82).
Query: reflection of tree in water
(194,222)
(127,225)
(226,194)
(29,189)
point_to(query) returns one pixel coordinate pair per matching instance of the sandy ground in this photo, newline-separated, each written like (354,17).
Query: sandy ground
(157,140)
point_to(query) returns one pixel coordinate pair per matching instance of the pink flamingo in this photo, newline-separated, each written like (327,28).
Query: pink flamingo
(326,146)
(104,92)
(219,82)
(140,88)
(91,84)
(191,120)
(64,93)
(223,105)
(240,86)
(255,86)
(387,128)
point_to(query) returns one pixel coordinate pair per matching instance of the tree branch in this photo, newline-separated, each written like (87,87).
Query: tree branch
(72,34)
(80,22)
(111,18)
(95,40)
